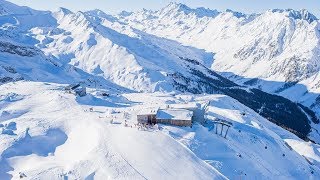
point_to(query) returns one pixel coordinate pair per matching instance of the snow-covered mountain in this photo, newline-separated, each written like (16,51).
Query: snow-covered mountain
(276,51)
(166,53)
(105,47)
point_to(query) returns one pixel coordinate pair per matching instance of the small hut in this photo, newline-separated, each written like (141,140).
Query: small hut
(147,116)
(76,89)
(71,87)
(177,117)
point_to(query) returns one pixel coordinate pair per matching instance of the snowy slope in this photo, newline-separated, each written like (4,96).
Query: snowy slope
(276,51)
(104,46)
(107,51)
(261,144)
(46,133)
(117,52)
(24,62)
(57,137)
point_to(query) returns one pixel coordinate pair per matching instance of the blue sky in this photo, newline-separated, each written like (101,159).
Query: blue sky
(114,6)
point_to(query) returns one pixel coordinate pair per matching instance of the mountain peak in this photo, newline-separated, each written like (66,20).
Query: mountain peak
(64,11)
(236,14)
(97,12)
(297,14)
(61,12)
(182,8)
(177,6)
(101,14)
(125,13)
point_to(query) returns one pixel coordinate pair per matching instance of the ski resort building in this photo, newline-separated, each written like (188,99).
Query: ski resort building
(197,109)
(177,117)
(147,116)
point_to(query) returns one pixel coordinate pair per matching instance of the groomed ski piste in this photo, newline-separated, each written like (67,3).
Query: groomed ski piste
(50,134)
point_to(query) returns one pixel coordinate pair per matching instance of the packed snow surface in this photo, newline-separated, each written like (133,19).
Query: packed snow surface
(62,136)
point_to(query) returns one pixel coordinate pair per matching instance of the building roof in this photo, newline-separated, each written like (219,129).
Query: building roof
(184,106)
(148,111)
(175,114)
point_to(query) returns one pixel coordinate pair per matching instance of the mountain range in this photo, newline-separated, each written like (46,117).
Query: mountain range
(267,62)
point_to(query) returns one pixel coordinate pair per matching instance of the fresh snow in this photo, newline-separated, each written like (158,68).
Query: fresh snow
(46,133)
(273,49)
(58,137)
(174,114)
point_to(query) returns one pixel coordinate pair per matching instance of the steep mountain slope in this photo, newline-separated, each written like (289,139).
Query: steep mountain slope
(156,64)
(112,51)
(23,59)
(117,52)
(276,51)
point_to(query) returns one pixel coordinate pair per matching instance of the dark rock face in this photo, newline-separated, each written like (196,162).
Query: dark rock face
(6,79)
(18,50)
(11,76)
